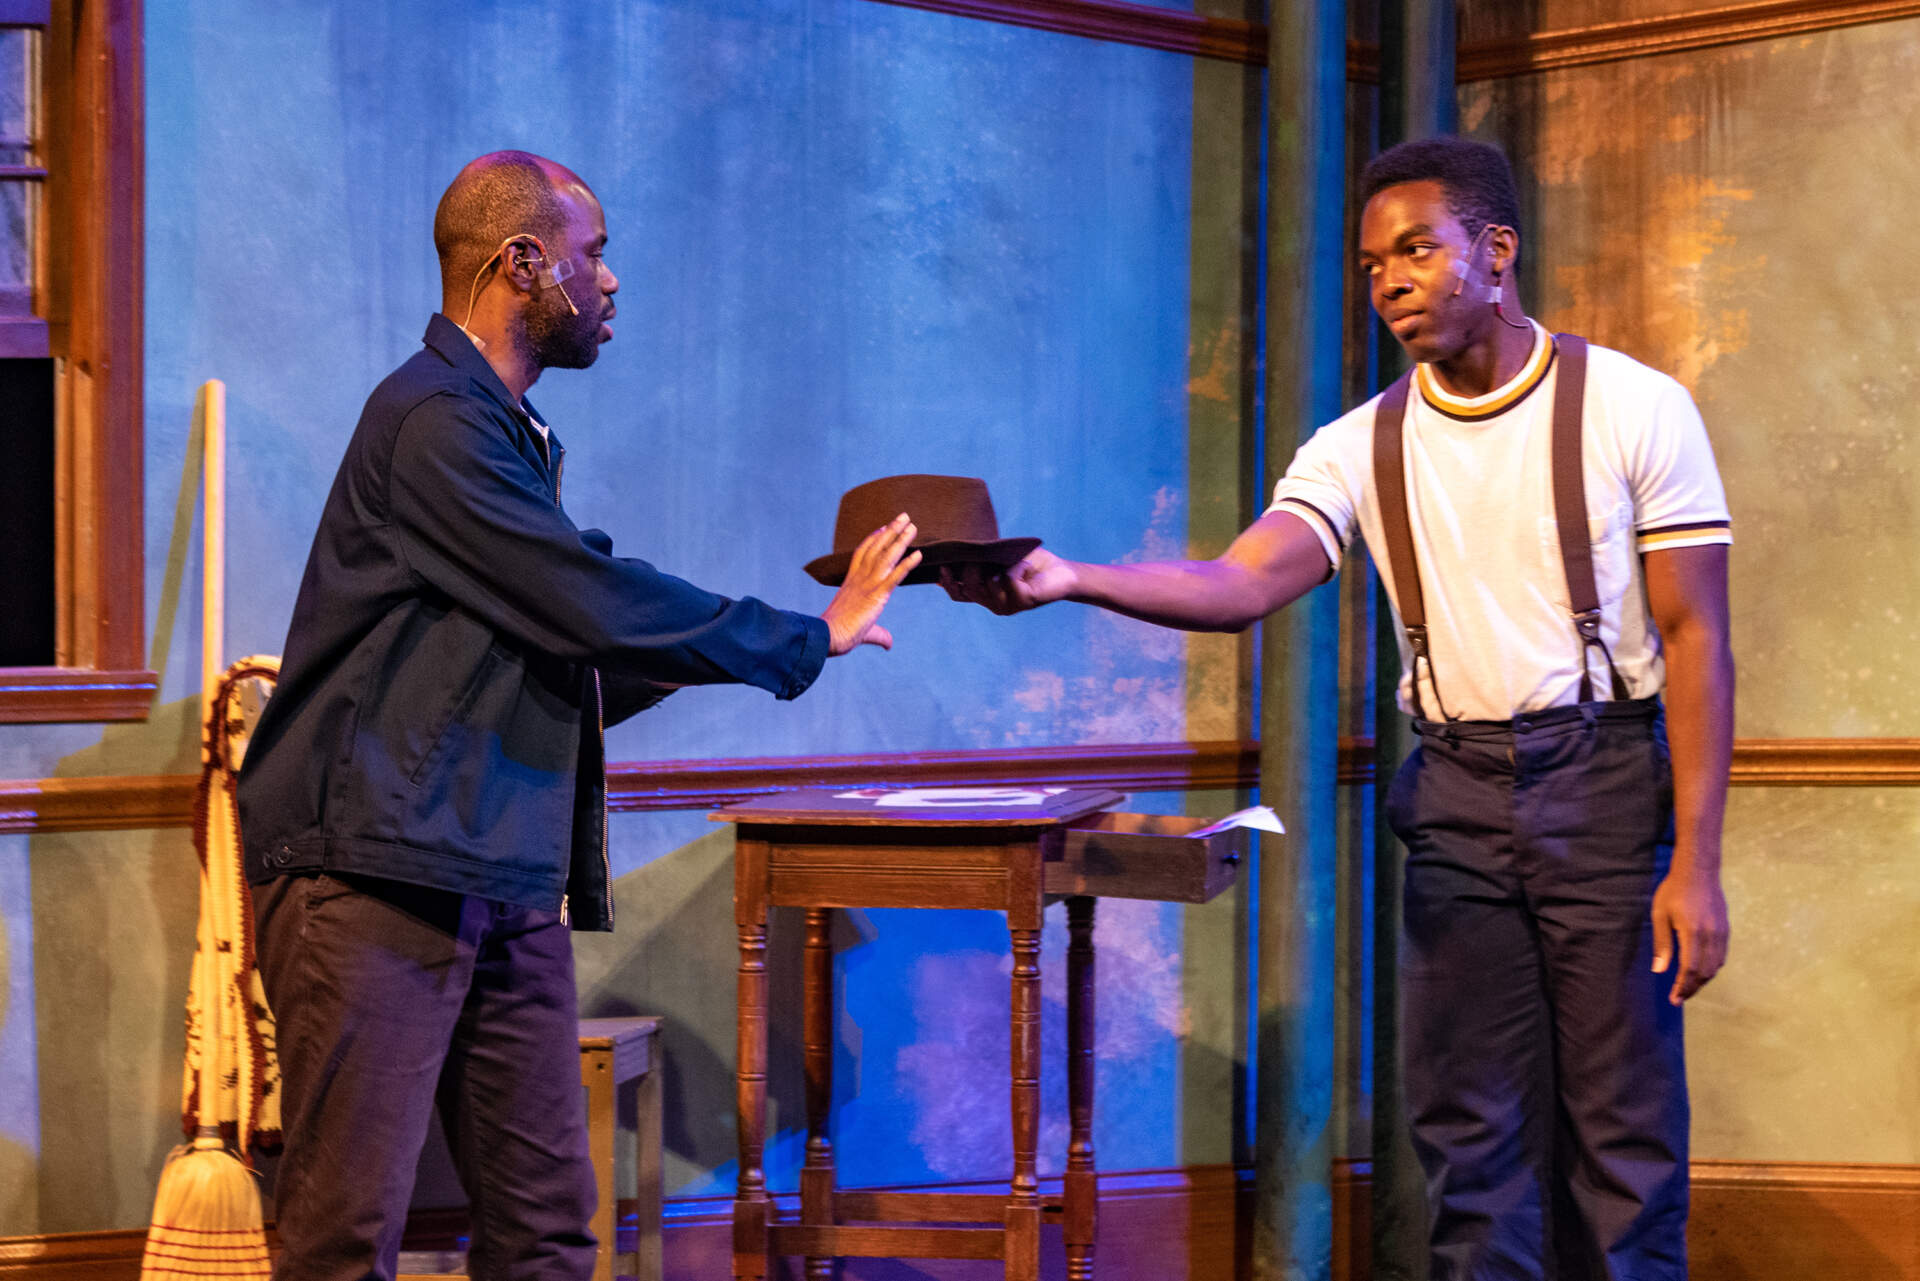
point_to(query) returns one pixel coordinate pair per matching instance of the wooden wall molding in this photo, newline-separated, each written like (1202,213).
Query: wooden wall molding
(1677,33)
(1756,1221)
(1826,762)
(108,804)
(1231,40)
(121,803)
(138,802)
(48,695)
(1752,1221)
(1809,1175)
(1148,26)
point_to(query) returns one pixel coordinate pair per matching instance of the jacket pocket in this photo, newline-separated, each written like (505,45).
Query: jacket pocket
(455,714)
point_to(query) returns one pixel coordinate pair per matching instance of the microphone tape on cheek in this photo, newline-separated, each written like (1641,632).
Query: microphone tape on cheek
(559,272)
(1462,264)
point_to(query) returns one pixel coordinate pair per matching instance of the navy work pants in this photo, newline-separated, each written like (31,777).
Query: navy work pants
(1545,1079)
(393,999)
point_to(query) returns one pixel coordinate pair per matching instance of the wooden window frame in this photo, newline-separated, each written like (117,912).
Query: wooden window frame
(26,335)
(93,266)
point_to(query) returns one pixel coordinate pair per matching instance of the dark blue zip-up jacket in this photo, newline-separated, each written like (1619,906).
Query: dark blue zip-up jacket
(458,646)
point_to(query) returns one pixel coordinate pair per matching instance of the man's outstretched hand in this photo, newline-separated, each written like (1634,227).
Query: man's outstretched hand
(879,563)
(1040,579)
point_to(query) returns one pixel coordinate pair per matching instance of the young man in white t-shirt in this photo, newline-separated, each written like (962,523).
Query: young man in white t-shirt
(1558,855)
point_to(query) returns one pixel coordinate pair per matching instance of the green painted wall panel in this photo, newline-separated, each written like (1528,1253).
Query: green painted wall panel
(1736,218)
(1804,1049)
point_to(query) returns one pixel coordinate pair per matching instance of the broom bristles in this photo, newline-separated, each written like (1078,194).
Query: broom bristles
(206,1217)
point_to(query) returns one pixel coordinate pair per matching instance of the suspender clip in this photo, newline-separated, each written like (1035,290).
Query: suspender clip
(1417,638)
(1587,622)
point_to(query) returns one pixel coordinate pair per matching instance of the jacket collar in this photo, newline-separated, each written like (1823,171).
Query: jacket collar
(453,345)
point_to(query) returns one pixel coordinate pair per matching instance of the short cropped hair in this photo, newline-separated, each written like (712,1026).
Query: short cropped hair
(1476,177)
(507,193)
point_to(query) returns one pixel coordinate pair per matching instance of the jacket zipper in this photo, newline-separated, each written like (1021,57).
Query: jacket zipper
(600,724)
(600,728)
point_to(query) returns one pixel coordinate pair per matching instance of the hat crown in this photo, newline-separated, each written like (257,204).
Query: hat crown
(953,519)
(943,508)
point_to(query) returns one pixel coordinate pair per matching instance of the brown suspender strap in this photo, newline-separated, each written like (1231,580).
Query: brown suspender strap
(1390,487)
(1570,508)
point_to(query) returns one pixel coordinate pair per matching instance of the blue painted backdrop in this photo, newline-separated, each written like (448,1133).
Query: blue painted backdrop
(853,240)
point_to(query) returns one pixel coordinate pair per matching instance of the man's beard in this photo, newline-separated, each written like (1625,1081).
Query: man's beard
(558,338)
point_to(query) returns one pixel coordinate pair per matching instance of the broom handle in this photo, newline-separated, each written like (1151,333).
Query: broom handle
(212,408)
(213,593)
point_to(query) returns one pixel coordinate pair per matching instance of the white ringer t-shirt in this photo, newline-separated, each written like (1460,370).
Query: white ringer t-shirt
(1480,503)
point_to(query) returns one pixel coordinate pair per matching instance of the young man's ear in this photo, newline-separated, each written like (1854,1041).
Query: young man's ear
(1503,244)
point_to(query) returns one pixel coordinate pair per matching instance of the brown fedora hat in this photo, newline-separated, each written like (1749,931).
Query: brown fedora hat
(953,516)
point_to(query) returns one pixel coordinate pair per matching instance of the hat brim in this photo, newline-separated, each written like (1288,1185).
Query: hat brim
(1001,553)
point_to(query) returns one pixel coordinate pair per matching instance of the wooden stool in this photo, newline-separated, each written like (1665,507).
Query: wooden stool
(616,1053)
(613,1053)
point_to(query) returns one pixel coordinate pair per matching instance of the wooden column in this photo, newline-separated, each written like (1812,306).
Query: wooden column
(1417,100)
(1417,52)
(1306,189)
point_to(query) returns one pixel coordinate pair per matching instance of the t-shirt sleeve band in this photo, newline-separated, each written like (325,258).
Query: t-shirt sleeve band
(1322,527)
(1697,534)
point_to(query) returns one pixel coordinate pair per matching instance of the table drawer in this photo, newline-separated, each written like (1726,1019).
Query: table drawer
(1148,856)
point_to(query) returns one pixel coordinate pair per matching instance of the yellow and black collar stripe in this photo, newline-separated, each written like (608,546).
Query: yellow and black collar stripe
(1500,399)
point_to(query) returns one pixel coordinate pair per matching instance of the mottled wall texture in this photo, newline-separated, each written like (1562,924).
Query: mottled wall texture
(854,239)
(857,239)
(1738,217)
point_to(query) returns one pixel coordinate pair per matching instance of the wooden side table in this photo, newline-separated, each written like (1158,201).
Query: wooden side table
(820,850)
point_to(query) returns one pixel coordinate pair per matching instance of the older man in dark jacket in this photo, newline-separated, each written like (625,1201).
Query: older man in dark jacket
(424,800)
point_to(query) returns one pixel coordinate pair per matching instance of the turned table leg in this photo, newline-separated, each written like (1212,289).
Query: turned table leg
(1023,1206)
(752,1209)
(1082,1184)
(816,1175)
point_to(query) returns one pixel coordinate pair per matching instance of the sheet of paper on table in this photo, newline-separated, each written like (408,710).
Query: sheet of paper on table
(1260,818)
(935,797)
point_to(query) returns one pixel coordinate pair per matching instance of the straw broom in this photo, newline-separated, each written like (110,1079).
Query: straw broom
(206,1212)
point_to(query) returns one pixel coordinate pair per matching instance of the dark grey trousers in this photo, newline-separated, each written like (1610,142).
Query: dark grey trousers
(1546,1082)
(393,999)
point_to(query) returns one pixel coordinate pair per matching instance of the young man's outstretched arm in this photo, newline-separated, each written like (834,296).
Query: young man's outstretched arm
(1274,562)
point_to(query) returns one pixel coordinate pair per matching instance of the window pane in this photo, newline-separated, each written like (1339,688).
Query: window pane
(26,514)
(19,94)
(19,198)
(17,209)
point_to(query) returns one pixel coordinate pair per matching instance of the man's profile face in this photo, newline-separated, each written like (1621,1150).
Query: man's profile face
(1409,243)
(560,339)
